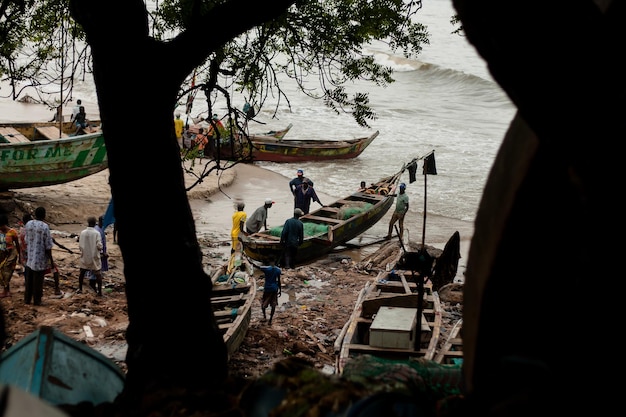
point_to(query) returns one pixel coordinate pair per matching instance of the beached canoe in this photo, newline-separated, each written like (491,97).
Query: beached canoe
(39,154)
(328,227)
(272,149)
(60,370)
(190,134)
(232,298)
(384,322)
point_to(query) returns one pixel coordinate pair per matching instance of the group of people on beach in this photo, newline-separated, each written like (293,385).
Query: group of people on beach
(31,247)
(292,234)
(199,135)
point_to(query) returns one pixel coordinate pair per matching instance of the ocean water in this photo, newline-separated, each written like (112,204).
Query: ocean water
(445,101)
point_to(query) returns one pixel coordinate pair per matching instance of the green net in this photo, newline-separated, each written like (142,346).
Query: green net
(314,229)
(310,229)
(353,209)
(413,375)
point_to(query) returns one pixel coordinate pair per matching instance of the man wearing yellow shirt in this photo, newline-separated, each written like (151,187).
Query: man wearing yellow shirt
(179,126)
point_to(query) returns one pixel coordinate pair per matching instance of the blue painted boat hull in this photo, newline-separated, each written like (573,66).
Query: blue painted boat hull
(60,370)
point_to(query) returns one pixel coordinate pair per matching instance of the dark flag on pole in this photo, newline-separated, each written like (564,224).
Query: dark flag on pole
(429,165)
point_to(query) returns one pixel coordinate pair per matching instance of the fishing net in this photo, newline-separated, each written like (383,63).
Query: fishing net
(369,386)
(310,229)
(413,376)
(353,209)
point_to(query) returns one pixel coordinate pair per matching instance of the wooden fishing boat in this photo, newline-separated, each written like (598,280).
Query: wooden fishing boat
(278,134)
(384,321)
(327,227)
(272,149)
(40,154)
(232,298)
(60,370)
(451,352)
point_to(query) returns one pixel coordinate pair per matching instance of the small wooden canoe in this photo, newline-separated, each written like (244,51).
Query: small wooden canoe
(60,370)
(232,298)
(384,321)
(39,154)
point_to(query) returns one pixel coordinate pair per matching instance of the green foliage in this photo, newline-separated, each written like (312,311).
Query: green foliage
(42,47)
(327,40)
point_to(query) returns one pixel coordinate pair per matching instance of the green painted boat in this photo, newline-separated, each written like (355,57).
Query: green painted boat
(41,154)
(329,226)
(60,370)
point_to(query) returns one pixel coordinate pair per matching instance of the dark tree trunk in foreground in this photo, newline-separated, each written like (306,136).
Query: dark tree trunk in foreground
(173,339)
(541,255)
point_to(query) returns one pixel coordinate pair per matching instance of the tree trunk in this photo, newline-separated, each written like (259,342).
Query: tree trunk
(173,339)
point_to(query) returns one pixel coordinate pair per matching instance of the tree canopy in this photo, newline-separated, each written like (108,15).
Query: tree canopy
(147,51)
(44,46)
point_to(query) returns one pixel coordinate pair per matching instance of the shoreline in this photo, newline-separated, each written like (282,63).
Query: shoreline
(68,206)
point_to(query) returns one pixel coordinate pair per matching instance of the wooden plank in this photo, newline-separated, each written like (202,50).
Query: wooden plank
(13,135)
(405,284)
(226,313)
(453,347)
(51,132)
(322,219)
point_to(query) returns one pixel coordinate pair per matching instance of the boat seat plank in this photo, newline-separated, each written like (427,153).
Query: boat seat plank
(322,219)
(13,135)
(226,299)
(226,313)
(224,326)
(51,132)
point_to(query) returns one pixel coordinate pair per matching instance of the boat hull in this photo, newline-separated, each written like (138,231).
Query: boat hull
(400,293)
(46,162)
(232,303)
(335,229)
(271,149)
(60,370)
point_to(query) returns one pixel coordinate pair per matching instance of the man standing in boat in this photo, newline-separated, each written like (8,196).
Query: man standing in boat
(297,182)
(304,195)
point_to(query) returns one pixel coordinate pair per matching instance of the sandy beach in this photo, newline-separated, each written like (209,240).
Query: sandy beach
(323,291)
(212,202)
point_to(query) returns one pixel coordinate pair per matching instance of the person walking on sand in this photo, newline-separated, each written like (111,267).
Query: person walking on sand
(39,256)
(402,206)
(258,219)
(271,289)
(291,238)
(239,220)
(90,244)
(10,254)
